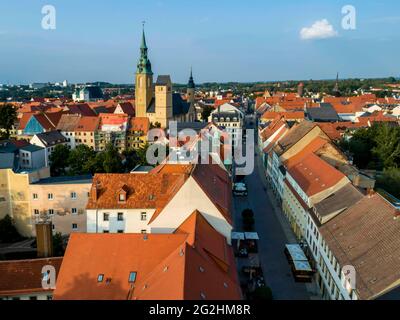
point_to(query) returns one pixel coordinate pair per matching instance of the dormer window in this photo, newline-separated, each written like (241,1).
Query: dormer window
(122,194)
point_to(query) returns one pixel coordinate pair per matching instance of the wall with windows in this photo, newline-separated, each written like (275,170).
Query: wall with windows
(119,220)
(15,198)
(330,278)
(64,203)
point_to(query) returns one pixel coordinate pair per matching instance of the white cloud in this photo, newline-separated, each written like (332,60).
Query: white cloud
(321,29)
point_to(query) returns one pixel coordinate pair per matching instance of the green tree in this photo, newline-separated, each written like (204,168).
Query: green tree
(390,181)
(206,112)
(59,160)
(80,160)
(112,160)
(387,145)
(8,231)
(58,245)
(8,116)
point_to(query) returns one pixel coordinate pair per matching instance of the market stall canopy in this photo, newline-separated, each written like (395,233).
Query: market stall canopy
(251,236)
(296,252)
(237,236)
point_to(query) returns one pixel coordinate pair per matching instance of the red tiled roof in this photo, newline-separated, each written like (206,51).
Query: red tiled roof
(23,121)
(82,109)
(313,146)
(139,124)
(87,124)
(127,108)
(287,115)
(193,263)
(151,190)
(335,130)
(216,183)
(314,175)
(24,276)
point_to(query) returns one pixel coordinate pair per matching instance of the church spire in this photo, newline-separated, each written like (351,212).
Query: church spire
(191,82)
(336,87)
(144,64)
(143,45)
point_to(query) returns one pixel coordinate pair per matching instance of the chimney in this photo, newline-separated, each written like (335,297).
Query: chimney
(370,192)
(44,239)
(95,190)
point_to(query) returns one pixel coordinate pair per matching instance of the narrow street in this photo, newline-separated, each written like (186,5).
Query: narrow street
(274,232)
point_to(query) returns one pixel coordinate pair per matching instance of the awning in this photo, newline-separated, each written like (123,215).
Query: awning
(302,266)
(251,236)
(237,235)
(296,252)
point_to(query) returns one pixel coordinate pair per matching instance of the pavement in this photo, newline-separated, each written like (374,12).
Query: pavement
(274,232)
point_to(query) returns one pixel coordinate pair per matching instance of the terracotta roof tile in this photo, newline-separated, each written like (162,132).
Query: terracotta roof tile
(314,174)
(193,263)
(24,276)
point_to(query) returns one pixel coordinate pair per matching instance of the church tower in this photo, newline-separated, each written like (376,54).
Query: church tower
(190,89)
(336,91)
(144,81)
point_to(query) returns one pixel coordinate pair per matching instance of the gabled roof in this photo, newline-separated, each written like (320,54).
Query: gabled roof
(366,236)
(51,138)
(151,190)
(82,109)
(323,113)
(87,124)
(193,263)
(298,115)
(24,276)
(139,124)
(163,80)
(314,175)
(127,108)
(23,121)
(295,134)
(216,183)
(337,202)
(68,122)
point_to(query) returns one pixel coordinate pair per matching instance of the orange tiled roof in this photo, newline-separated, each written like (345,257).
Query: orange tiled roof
(287,115)
(149,190)
(24,276)
(87,124)
(313,146)
(139,124)
(314,175)
(193,263)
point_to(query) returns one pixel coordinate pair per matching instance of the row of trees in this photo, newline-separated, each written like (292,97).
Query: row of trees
(84,160)
(378,148)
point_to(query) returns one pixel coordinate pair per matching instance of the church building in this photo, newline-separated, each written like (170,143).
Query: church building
(157,101)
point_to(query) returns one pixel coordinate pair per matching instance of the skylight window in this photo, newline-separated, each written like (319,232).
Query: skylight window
(100,278)
(132,277)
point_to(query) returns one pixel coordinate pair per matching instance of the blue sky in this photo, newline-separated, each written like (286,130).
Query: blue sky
(224,40)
